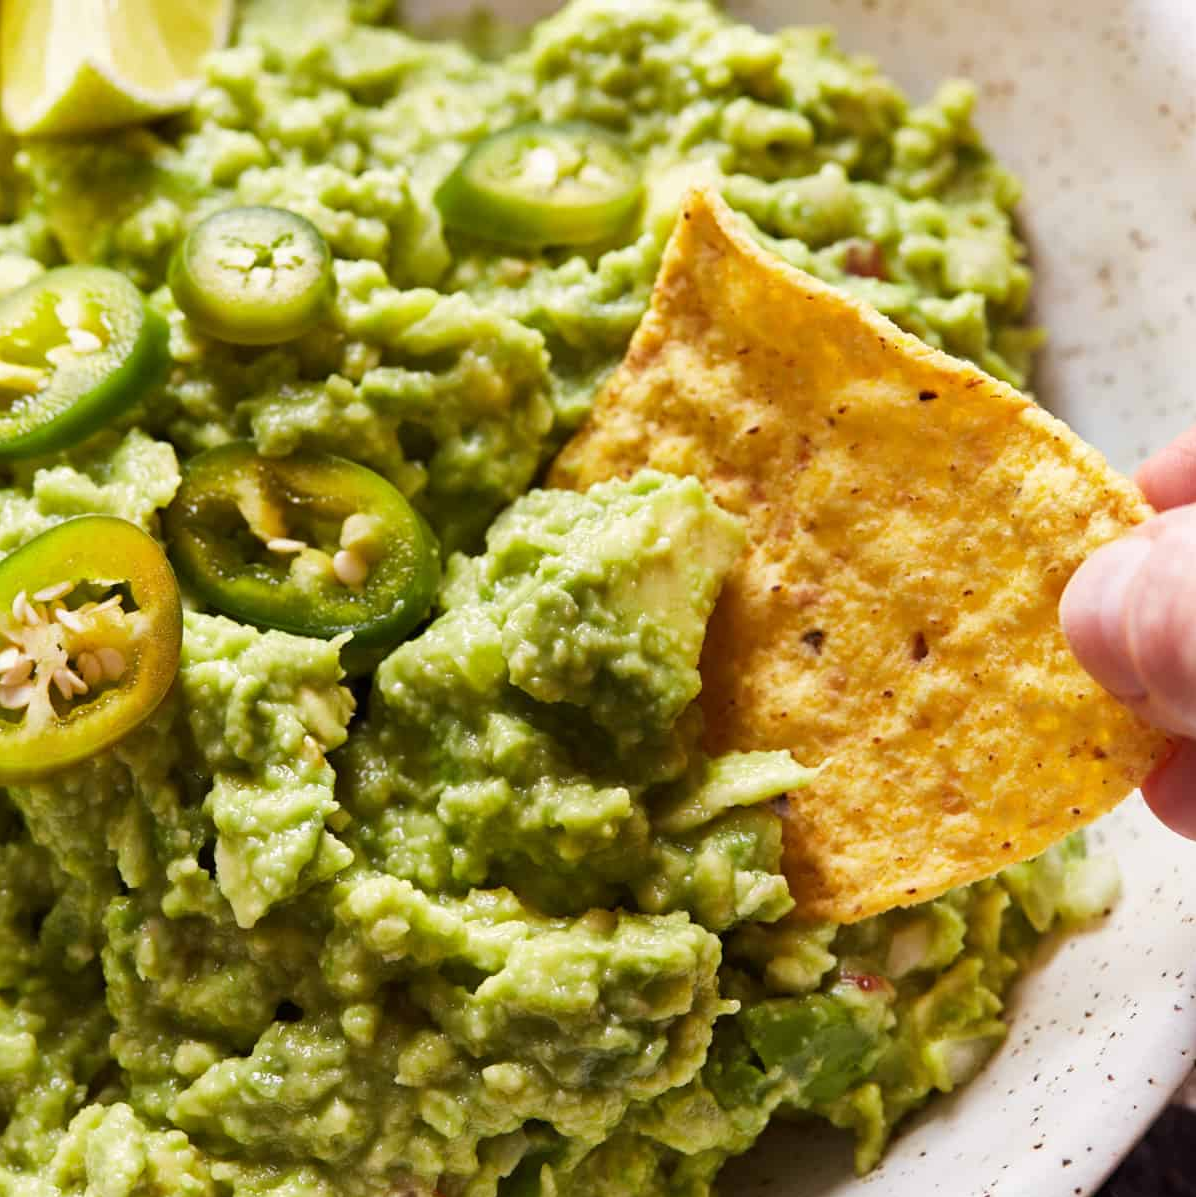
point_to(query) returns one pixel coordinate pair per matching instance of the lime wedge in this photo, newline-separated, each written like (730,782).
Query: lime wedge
(69,67)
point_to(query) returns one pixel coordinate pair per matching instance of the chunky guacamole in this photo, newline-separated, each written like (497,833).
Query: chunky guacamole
(471,913)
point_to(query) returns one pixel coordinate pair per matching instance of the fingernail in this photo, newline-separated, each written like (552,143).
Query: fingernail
(1093,612)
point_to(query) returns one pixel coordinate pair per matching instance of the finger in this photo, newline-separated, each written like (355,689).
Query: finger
(1130,616)
(1170,790)
(1159,624)
(1168,479)
(1092,612)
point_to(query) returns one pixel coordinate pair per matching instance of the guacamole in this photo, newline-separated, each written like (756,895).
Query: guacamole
(483,919)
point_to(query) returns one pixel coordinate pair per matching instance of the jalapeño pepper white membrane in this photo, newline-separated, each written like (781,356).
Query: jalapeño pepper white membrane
(537,185)
(78,346)
(253,276)
(311,544)
(78,673)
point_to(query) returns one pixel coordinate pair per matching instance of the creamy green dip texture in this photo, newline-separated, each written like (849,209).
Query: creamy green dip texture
(488,922)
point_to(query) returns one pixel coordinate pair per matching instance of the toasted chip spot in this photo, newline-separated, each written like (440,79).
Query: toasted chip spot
(885,507)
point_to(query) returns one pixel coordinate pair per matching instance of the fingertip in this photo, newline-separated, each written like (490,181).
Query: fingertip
(1160,625)
(1092,613)
(1168,479)
(1170,791)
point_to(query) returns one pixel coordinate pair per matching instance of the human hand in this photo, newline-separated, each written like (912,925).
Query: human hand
(1130,615)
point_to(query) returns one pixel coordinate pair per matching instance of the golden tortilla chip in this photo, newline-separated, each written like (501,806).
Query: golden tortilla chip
(912,523)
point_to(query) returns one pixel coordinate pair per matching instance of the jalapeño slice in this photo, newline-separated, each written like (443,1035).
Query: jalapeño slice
(311,544)
(253,276)
(78,346)
(538,185)
(90,631)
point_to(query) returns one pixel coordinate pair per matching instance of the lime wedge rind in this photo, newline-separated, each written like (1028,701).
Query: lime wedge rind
(68,71)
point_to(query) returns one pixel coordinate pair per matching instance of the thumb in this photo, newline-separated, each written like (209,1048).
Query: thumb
(1130,615)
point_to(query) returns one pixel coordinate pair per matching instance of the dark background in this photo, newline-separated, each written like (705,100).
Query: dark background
(1163,1164)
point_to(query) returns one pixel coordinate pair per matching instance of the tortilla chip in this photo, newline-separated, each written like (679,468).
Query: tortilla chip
(912,523)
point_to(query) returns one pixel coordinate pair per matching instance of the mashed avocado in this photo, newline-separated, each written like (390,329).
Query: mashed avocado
(450,366)
(489,922)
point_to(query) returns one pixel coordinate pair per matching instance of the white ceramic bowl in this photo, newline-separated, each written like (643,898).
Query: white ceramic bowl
(1093,102)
